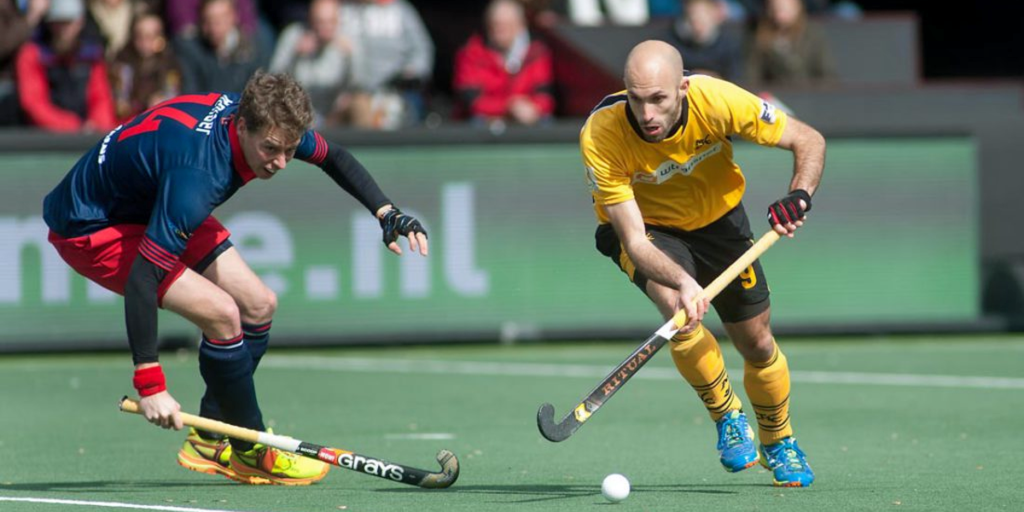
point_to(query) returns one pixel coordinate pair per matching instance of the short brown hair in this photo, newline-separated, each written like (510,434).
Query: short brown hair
(276,100)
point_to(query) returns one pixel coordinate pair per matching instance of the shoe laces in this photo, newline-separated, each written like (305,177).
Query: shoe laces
(287,459)
(790,455)
(731,430)
(284,460)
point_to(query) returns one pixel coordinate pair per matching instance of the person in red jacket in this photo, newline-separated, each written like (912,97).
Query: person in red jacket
(504,75)
(62,77)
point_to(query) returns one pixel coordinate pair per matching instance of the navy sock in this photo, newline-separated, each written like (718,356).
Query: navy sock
(256,338)
(226,367)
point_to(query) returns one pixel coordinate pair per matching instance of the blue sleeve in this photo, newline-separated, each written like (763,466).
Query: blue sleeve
(312,148)
(185,199)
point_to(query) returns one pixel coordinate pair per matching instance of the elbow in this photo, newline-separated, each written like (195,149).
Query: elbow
(632,247)
(809,142)
(816,139)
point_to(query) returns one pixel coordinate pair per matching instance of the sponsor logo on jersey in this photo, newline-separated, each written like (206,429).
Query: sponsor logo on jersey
(706,141)
(182,235)
(767,112)
(670,168)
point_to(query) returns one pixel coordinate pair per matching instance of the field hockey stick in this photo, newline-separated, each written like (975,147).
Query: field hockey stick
(338,457)
(628,368)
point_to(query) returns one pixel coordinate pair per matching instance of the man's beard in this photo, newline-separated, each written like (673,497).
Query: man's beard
(669,128)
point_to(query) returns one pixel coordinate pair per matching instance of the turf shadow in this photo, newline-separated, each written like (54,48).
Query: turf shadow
(95,486)
(551,492)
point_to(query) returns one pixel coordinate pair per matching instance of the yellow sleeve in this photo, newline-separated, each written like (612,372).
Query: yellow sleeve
(607,174)
(738,112)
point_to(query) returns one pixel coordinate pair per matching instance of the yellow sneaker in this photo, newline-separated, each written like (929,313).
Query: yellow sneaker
(208,456)
(265,464)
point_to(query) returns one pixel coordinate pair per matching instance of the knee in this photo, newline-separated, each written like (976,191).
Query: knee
(664,298)
(761,349)
(225,319)
(261,307)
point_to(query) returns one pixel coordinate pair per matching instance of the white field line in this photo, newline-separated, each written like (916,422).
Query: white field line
(352,364)
(110,504)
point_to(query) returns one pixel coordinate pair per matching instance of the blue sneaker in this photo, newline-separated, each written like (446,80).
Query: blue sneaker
(736,442)
(788,462)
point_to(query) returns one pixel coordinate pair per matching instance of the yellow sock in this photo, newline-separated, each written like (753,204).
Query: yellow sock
(699,360)
(767,386)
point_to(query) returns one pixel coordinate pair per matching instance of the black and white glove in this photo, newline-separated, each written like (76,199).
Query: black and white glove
(788,210)
(394,223)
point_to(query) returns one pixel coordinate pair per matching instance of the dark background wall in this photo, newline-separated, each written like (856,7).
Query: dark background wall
(983,38)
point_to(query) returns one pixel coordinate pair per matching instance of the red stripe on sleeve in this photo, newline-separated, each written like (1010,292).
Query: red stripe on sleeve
(160,257)
(320,152)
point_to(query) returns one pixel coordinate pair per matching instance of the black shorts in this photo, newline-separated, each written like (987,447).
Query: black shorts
(704,253)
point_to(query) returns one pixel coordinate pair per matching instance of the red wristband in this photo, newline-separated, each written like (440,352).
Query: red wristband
(149,381)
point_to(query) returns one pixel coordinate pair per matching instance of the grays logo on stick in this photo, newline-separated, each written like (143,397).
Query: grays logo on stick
(370,466)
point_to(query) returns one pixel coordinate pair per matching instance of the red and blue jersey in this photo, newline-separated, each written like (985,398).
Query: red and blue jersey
(168,168)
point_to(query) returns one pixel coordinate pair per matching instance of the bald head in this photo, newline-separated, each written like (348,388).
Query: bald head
(655,87)
(653,62)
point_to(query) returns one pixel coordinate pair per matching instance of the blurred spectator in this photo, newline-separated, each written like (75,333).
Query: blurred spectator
(146,71)
(220,57)
(544,13)
(150,7)
(504,75)
(741,10)
(788,48)
(318,56)
(183,16)
(608,12)
(395,64)
(183,19)
(112,19)
(707,46)
(16,26)
(62,77)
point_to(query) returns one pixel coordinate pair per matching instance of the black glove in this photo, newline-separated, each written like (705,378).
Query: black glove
(787,210)
(395,223)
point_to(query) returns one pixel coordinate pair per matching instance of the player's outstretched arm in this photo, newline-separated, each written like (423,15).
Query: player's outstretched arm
(352,177)
(808,147)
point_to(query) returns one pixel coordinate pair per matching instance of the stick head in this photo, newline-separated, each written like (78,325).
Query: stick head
(550,430)
(448,475)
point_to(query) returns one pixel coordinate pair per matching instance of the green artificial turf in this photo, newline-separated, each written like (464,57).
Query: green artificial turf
(898,442)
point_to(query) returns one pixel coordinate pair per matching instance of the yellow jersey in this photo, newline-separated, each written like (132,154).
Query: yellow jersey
(688,180)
